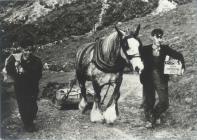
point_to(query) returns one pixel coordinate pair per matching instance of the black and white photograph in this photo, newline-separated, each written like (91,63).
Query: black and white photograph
(98,69)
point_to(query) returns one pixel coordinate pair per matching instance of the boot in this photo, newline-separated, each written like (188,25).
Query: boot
(30,127)
(153,120)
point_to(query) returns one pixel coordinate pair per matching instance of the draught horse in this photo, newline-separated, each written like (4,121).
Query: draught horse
(102,62)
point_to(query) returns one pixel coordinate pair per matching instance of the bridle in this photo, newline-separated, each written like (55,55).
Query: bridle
(133,56)
(128,57)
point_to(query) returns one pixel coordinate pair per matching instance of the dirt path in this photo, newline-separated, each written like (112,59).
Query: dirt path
(72,125)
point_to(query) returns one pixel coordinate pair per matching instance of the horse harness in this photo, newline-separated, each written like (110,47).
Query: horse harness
(106,67)
(98,60)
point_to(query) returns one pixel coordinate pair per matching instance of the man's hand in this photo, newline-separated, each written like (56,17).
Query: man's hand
(19,68)
(182,71)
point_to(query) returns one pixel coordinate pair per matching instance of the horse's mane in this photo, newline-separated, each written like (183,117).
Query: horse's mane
(111,45)
(107,53)
(111,41)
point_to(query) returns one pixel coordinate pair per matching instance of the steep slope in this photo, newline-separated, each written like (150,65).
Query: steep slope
(41,21)
(35,28)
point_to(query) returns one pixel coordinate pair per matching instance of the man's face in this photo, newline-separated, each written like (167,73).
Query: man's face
(157,39)
(26,54)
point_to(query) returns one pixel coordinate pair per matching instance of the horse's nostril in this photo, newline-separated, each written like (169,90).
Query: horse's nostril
(137,69)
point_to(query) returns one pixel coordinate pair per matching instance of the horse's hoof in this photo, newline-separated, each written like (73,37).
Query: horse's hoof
(96,116)
(110,115)
(82,105)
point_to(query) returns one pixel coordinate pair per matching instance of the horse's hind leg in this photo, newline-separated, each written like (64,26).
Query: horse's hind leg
(83,103)
(96,114)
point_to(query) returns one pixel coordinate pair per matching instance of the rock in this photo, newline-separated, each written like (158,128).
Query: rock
(188,100)
(164,6)
(46,66)
(119,23)
(85,127)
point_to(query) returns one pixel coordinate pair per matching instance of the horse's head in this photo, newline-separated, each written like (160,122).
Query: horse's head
(130,48)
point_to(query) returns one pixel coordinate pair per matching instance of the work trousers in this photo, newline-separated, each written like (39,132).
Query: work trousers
(27,102)
(157,84)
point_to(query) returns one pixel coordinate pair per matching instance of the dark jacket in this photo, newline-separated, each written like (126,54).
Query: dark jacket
(147,58)
(28,80)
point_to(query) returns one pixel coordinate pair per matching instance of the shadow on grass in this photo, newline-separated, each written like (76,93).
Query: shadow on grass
(74,106)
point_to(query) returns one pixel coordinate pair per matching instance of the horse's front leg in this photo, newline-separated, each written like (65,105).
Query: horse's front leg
(96,113)
(83,103)
(111,112)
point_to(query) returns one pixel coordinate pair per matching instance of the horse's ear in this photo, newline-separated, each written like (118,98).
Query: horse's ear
(119,32)
(137,30)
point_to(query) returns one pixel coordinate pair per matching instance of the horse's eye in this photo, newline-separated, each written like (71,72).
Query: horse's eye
(126,45)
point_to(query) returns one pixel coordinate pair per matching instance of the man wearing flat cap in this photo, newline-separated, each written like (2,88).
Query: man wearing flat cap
(26,71)
(153,78)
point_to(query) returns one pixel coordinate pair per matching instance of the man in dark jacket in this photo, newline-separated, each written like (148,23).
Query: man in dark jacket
(153,77)
(26,70)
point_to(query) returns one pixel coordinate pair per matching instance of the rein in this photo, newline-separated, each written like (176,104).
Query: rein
(133,56)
